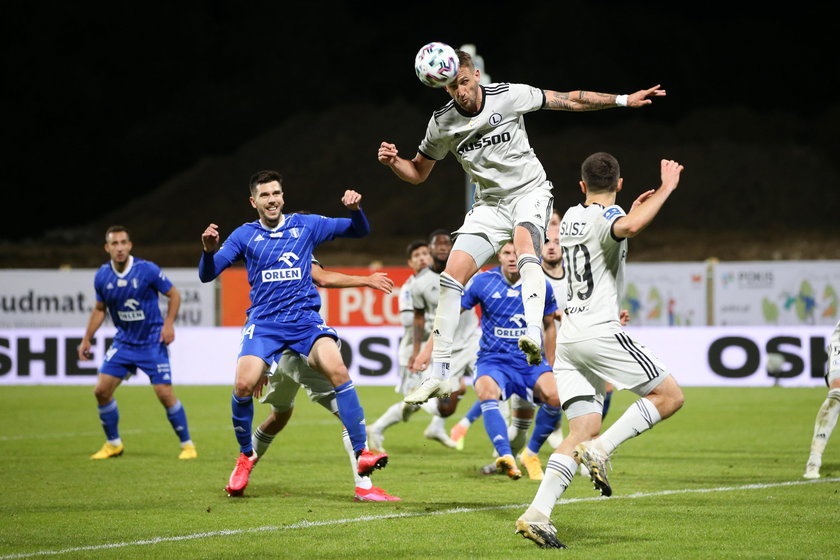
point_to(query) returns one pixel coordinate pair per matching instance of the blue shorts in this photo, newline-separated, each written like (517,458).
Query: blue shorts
(267,340)
(512,374)
(122,360)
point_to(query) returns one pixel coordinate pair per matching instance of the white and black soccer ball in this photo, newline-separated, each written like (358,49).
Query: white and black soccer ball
(436,64)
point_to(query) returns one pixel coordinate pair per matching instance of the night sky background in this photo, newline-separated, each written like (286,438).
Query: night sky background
(155,115)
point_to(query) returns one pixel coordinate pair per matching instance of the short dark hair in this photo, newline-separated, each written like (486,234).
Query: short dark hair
(465,59)
(262,177)
(116,229)
(600,172)
(439,231)
(413,246)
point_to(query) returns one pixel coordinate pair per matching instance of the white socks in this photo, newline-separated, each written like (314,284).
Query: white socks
(826,420)
(260,441)
(388,418)
(559,472)
(447,316)
(639,417)
(533,293)
(361,481)
(518,433)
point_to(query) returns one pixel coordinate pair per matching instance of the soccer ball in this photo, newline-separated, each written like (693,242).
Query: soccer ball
(436,64)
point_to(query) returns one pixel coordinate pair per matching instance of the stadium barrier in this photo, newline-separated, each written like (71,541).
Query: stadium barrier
(791,356)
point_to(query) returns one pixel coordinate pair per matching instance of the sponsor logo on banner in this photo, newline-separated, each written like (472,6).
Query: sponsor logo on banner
(65,298)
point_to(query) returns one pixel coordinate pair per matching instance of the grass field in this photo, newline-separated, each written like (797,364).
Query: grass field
(721,479)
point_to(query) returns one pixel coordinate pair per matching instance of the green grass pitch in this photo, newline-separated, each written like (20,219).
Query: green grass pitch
(721,479)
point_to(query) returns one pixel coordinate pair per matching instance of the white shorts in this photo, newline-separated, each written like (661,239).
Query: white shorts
(583,368)
(286,377)
(494,220)
(832,368)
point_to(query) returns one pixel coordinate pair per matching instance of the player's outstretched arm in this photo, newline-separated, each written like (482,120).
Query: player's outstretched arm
(413,171)
(333,279)
(642,214)
(581,100)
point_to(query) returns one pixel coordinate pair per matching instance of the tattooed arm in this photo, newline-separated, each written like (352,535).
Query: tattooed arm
(580,100)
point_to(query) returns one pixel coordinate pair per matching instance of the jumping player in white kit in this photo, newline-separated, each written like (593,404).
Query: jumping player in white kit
(483,127)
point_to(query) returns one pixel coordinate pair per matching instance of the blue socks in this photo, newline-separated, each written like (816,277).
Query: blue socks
(545,423)
(607,399)
(474,412)
(243,417)
(109,415)
(351,414)
(178,419)
(495,425)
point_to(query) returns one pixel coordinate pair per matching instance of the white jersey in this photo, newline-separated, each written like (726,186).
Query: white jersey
(424,295)
(593,261)
(407,320)
(491,145)
(833,351)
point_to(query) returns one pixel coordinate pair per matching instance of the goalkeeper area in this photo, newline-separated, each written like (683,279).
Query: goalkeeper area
(721,479)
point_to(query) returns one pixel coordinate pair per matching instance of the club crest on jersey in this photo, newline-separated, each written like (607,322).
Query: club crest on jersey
(495,119)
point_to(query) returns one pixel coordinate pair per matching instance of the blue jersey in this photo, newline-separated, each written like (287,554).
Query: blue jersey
(279,262)
(131,298)
(502,311)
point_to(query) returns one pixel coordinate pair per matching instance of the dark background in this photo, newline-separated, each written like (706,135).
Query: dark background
(154,116)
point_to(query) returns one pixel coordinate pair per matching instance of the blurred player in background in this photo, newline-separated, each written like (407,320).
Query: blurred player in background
(292,371)
(277,251)
(424,296)
(827,415)
(501,371)
(483,127)
(128,288)
(419,258)
(593,348)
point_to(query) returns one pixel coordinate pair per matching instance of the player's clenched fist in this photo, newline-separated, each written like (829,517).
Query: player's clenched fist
(351,199)
(210,238)
(387,153)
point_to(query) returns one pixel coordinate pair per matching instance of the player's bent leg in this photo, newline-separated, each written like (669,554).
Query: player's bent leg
(325,357)
(584,415)
(667,397)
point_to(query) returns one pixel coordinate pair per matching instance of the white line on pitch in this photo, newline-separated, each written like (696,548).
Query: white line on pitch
(306,524)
